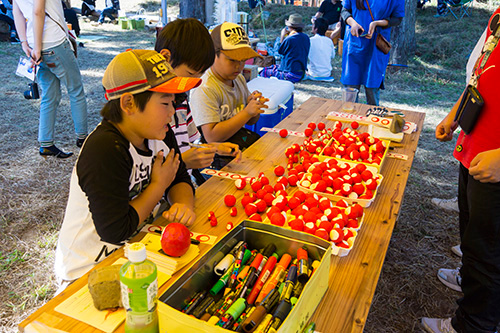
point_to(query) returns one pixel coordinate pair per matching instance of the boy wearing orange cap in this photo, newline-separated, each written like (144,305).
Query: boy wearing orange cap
(128,165)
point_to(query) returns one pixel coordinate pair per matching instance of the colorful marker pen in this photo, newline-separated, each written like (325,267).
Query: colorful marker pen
(237,266)
(315,266)
(251,273)
(232,313)
(220,255)
(224,264)
(195,301)
(290,280)
(280,313)
(277,276)
(254,319)
(263,324)
(203,306)
(303,265)
(266,271)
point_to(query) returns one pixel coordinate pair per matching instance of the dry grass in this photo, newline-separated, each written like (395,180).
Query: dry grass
(33,191)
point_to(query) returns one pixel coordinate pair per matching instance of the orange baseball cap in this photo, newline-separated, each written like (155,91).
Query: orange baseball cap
(136,71)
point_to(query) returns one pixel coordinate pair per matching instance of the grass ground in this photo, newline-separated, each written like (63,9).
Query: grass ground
(33,191)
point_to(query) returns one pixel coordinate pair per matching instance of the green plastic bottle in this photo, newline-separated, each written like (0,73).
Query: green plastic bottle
(139,287)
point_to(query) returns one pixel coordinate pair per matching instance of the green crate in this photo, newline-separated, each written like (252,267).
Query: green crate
(124,23)
(136,24)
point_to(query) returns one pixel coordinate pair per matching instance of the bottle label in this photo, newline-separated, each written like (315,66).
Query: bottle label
(140,298)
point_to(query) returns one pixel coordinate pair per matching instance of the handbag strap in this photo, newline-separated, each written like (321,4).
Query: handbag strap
(59,24)
(371,14)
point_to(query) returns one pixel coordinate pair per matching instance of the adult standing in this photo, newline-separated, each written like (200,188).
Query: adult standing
(329,10)
(294,49)
(478,199)
(43,33)
(362,62)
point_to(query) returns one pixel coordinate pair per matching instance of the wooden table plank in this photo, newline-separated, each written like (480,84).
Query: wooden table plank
(353,278)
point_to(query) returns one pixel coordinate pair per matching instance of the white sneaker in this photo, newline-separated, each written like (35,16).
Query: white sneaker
(437,325)
(456,250)
(446,204)
(450,278)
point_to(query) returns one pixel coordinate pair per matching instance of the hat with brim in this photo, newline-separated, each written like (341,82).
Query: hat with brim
(294,21)
(137,71)
(231,39)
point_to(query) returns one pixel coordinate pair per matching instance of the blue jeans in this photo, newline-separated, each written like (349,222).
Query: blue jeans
(107,12)
(372,94)
(58,66)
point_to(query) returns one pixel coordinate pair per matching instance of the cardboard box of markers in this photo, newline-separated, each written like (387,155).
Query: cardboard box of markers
(285,279)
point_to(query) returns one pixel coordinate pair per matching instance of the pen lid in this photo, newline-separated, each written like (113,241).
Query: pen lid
(302,254)
(224,264)
(282,310)
(237,308)
(285,260)
(257,260)
(217,287)
(246,256)
(268,250)
(254,319)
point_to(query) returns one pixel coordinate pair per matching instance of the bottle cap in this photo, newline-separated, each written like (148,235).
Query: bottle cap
(135,252)
(237,308)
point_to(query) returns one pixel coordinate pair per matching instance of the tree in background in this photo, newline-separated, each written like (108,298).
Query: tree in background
(403,36)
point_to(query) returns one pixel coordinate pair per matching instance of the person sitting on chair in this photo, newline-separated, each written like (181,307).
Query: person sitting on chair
(442,6)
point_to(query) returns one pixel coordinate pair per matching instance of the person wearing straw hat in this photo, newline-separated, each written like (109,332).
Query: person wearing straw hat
(294,49)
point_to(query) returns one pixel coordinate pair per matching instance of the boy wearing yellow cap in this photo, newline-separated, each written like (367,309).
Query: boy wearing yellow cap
(222,105)
(128,165)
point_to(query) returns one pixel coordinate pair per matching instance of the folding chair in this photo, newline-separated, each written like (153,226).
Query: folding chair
(459,7)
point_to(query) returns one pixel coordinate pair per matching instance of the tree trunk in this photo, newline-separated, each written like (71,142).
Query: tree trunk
(193,8)
(403,36)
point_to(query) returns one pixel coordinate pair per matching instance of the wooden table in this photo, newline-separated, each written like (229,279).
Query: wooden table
(353,278)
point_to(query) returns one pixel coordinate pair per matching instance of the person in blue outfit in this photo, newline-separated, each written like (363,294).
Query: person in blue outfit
(362,62)
(294,48)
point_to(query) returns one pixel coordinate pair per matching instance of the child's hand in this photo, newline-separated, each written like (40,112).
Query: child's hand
(254,95)
(164,172)
(181,213)
(255,106)
(196,158)
(228,149)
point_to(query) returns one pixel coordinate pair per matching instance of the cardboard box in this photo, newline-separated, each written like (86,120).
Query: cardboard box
(250,72)
(200,277)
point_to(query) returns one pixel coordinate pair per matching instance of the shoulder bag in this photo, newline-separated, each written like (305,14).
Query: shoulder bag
(472,102)
(382,44)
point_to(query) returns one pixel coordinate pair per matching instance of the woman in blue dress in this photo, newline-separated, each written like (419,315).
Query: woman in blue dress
(362,62)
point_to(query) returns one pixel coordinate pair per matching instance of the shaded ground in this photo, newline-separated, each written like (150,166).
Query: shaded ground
(33,191)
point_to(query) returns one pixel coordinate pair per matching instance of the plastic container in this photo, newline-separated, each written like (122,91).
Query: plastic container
(200,277)
(139,287)
(280,104)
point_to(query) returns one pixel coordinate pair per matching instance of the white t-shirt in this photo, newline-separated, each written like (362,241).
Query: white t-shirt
(214,101)
(320,56)
(474,55)
(53,35)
